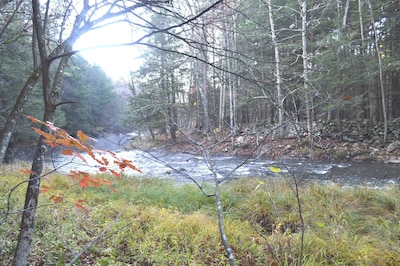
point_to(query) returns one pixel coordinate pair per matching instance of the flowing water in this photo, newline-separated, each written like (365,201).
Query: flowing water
(183,166)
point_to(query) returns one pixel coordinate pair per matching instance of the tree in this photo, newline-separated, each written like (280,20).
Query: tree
(381,82)
(15,41)
(51,96)
(84,89)
(279,96)
(55,137)
(51,86)
(306,85)
(207,58)
(155,88)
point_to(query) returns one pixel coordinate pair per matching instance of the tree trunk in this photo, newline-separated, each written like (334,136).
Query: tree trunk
(11,121)
(173,119)
(31,202)
(224,75)
(208,128)
(9,125)
(31,198)
(231,87)
(51,96)
(308,97)
(279,97)
(381,82)
(204,95)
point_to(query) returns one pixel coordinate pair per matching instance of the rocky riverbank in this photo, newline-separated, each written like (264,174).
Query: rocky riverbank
(356,140)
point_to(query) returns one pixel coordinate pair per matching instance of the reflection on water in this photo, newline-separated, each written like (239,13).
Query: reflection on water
(181,166)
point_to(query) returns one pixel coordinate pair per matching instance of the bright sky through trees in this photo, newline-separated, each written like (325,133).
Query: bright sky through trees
(115,61)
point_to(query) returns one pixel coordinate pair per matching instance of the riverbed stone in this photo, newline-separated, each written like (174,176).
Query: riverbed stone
(393,146)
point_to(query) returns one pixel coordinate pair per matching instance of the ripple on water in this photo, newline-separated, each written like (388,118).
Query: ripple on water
(180,166)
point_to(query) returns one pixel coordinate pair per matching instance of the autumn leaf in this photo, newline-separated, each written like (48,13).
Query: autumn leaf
(93,181)
(134,168)
(82,136)
(84,183)
(44,189)
(122,166)
(105,160)
(48,136)
(260,183)
(275,169)
(80,206)
(81,157)
(99,161)
(33,119)
(28,171)
(106,182)
(73,174)
(51,144)
(115,173)
(63,142)
(57,199)
(346,98)
(113,189)
(79,146)
(126,163)
(67,152)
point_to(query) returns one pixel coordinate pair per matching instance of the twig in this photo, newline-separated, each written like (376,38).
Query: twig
(91,244)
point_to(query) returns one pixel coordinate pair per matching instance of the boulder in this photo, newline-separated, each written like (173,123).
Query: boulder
(393,146)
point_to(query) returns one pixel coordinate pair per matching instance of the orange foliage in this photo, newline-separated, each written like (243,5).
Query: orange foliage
(44,189)
(67,152)
(57,199)
(57,137)
(27,171)
(82,136)
(80,206)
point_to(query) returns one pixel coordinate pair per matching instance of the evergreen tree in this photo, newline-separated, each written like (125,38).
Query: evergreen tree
(155,86)
(89,99)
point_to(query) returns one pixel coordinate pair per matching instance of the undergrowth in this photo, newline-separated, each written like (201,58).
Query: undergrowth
(158,222)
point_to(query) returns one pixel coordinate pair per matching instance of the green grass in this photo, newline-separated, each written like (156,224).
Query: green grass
(158,222)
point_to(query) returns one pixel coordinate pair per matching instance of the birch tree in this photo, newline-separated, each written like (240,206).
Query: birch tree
(92,15)
(308,97)
(279,95)
(381,81)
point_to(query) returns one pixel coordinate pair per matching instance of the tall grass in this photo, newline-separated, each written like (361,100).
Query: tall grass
(158,222)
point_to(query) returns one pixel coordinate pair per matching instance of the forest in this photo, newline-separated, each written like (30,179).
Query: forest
(304,69)
(248,66)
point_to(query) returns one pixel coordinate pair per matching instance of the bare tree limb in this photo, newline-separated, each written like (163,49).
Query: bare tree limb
(91,244)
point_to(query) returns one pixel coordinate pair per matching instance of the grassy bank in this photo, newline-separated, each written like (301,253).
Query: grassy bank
(157,222)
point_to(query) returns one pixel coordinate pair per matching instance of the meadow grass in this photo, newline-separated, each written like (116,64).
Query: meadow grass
(159,222)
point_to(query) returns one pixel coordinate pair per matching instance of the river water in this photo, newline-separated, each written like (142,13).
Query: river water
(183,166)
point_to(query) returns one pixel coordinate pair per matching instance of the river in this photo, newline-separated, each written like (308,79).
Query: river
(183,166)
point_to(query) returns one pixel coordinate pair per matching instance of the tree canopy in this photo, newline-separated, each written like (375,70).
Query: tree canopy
(350,58)
(213,66)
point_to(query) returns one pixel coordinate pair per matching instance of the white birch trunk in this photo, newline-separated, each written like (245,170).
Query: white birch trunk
(381,82)
(279,96)
(308,98)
